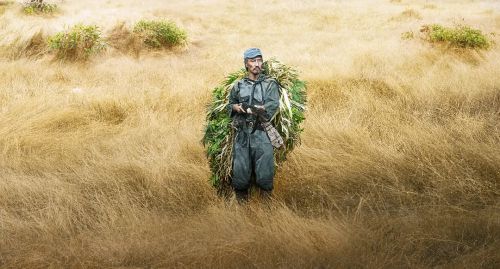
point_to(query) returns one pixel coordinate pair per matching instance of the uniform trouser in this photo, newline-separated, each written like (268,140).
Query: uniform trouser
(252,152)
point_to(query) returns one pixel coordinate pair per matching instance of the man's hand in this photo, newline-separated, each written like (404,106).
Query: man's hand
(238,108)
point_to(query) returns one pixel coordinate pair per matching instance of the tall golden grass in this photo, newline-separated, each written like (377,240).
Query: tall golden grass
(102,166)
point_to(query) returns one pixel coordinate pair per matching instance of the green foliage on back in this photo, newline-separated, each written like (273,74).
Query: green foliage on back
(461,36)
(219,134)
(79,42)
(38,7)
(161,33)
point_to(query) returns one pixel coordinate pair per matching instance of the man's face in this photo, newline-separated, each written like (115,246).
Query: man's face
(254,65)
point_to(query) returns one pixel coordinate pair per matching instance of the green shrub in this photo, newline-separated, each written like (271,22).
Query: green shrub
(162,33)
(407,35)
(79,42)
(38,6)
(460,36)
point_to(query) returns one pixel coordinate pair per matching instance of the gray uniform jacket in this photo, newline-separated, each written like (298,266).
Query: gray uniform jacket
(266,92)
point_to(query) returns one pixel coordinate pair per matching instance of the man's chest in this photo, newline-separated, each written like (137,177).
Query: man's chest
(247,90)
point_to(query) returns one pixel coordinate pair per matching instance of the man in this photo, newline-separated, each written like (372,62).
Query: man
(252,150)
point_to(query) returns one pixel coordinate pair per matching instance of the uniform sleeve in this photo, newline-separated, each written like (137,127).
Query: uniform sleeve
(272,101)
(233,99)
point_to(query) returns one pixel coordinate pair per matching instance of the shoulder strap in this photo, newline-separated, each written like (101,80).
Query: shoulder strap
(238,85)
(250,102)
(262,95)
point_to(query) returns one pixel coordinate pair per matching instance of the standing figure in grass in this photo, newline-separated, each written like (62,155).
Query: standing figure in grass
(253,101)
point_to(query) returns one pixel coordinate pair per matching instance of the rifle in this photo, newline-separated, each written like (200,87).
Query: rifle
(267,127)
(260,112)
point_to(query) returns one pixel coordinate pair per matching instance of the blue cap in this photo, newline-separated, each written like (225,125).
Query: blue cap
(252,53)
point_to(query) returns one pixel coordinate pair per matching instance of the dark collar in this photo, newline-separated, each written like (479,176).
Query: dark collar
(260,78)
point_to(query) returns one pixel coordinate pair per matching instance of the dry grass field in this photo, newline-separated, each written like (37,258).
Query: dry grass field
(101,164)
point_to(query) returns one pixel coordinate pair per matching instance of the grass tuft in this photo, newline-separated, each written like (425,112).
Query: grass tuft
(77,43)
(33,7)
(4,5)
(407,35)
(460,36)
(160,33)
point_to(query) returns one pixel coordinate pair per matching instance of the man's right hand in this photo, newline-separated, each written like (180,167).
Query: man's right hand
(238,108)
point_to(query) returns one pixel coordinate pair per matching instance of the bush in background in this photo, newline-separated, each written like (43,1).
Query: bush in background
(461,36)
(407,35)
(38,6)
(80,42)
(161,33)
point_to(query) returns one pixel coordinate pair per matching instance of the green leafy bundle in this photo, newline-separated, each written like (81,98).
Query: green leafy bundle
(219,134)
